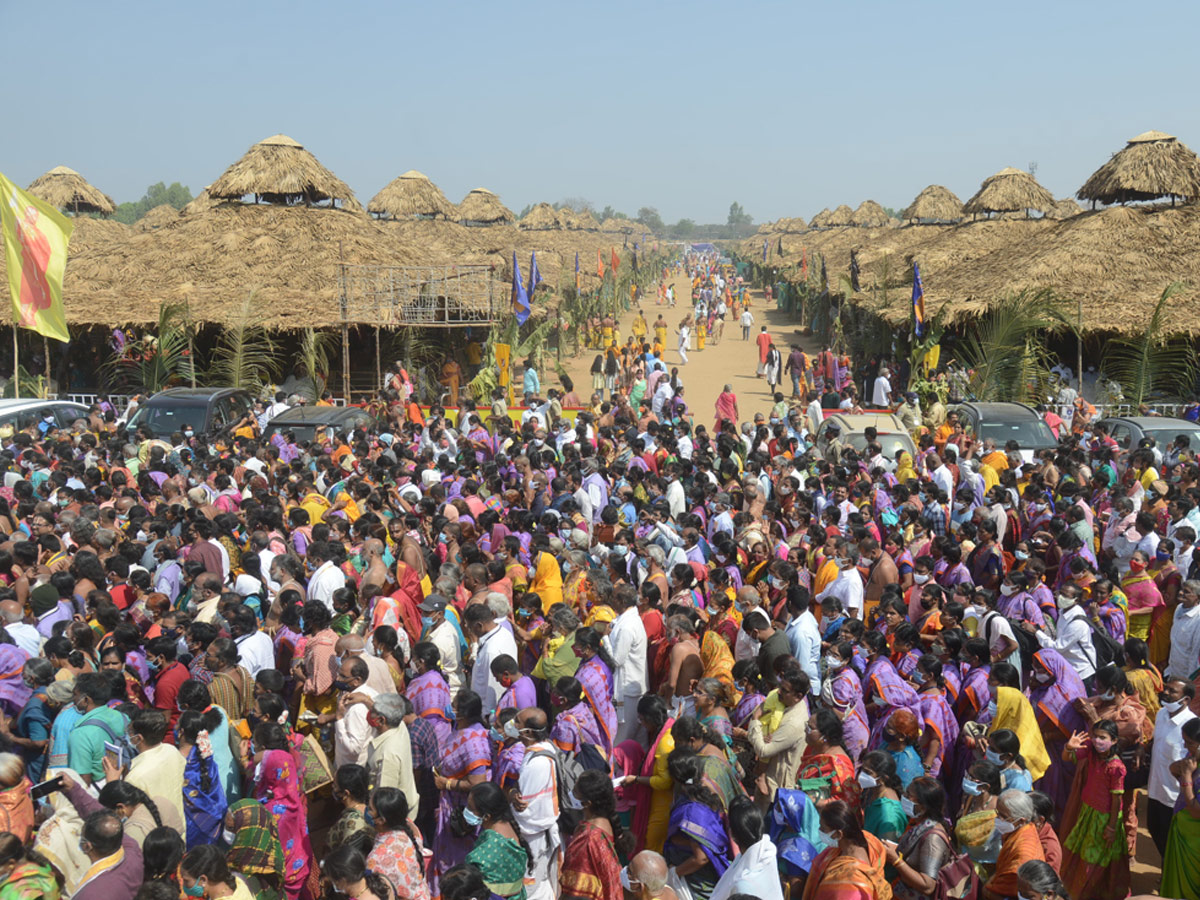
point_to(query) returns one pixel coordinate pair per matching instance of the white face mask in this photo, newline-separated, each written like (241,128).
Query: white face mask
(827,839)
(867,781)
(1173,707)
(1064,602)
(228,836)
(1003,826)
(918,578)
(1008,589)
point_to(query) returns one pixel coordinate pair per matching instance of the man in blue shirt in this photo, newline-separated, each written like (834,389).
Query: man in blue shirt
(533,384)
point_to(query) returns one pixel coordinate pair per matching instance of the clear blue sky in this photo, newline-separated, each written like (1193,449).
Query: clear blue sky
(785,107)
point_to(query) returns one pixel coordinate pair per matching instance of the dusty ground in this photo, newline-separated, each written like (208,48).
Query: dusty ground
(732,361)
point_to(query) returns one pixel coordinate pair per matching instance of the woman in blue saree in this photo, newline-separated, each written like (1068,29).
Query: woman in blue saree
(204,802)
(697,844)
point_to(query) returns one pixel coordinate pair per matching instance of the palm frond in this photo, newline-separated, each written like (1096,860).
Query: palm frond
(1004,348)
(316,349)
(244,355)
(1152,361)
(157,361)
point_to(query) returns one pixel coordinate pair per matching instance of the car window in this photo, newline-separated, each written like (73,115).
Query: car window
(1121,434)
(1164,437)
(222,413)
(68,414)
(1030,432)
(165,420)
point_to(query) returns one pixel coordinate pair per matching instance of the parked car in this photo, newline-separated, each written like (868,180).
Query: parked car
(1004,422)
(893,438)
(1128,431)
(207,410)
(21,413)
(303,421)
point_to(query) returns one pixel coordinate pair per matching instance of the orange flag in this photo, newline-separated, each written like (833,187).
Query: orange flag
(599,265)
(615,261)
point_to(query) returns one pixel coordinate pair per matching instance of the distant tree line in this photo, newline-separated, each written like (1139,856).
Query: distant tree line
(177,195)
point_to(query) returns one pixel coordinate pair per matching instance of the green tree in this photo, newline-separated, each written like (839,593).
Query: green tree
(649,217)
(579,204)
(738,215)
(177,195)
(684,228)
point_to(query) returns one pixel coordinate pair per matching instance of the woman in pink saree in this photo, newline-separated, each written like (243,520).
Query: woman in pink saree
(727,408)
(277,788)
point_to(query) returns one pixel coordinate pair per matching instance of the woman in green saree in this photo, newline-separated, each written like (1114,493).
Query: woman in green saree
(500,852)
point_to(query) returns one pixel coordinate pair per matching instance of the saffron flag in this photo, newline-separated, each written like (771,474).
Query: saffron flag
(918,301)
(616,262)
(535,277)
(35,248)
(576,273)
(854,271)
(520,299)
(599,265)
(804,262)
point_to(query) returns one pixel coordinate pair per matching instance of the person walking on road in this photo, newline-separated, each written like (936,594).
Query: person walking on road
(764,344)
(747,320)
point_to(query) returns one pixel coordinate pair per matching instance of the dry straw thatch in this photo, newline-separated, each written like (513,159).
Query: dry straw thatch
(482,207)
(821,219)
(541,218)
(567,219)
(412,196)
(159,217)
(934,204)
(1010,190)
(202,202)
(843,215)
(586,220)
(792,226)
(1064,209)
(1152,165)
(619,226)
(870,215)
(279,170)
(70,191)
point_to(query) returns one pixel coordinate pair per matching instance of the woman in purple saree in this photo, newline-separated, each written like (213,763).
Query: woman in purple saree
(884,691)
(1053,687)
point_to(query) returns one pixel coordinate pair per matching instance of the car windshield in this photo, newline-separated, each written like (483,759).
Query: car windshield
(1026,432)
(892,444)
(1165,437)
(164,420)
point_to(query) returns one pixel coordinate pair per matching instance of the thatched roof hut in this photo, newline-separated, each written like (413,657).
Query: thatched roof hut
(566,219)
(620,226)
(1151,166)
(934,204)
(1064,209)
(280,171)
(870,215)
(482,207)
(412,196)
(794,225)
(1010,190)
(71,192)
(843,215)
(821,219)
(585,220)
(541,218)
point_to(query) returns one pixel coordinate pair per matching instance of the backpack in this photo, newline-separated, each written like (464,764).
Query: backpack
(1027,644)
(121,740)
(1107,651)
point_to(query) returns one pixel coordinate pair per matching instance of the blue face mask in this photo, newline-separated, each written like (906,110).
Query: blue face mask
(427,621)
(972,787)
(152,665)
(994,758)
(992,708)
(472,819)
(196,890)
(367,817)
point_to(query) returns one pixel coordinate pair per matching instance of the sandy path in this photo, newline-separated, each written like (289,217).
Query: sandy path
(732,361)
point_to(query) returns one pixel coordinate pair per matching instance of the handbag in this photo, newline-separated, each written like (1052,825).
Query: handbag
(317,771)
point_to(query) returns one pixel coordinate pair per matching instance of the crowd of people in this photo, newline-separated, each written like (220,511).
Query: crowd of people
(622,657)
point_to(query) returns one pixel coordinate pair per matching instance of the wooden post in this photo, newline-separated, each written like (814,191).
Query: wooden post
(46,375)
(378,362)
(1079,346)
(16,364)
(345,303)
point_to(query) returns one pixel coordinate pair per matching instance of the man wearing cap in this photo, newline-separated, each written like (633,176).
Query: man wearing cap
(833,444)
(49,608)
(442,634)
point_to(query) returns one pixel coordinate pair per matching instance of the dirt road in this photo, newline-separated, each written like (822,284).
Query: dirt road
(732,361)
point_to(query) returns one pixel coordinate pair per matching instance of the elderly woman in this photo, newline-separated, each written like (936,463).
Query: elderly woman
(1019,844)
(16,809)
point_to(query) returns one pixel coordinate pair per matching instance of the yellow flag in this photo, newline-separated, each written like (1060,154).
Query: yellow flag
(35,250)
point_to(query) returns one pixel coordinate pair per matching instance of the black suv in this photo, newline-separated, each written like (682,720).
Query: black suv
(207,410)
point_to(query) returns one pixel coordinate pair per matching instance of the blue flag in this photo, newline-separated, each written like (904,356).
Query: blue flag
(520,299)
(764,249)
(535,277)
(576,273)
(918,301)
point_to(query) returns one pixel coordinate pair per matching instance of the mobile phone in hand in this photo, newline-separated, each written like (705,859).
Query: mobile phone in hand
(46,787)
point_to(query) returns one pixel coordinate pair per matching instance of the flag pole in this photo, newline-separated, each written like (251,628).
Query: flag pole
(16,364)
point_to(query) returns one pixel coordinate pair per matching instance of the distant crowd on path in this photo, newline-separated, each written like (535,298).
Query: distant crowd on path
(618,657)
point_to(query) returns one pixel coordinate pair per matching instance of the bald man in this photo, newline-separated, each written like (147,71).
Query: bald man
(647,875)
(379,673)
(24,635)
(375,573)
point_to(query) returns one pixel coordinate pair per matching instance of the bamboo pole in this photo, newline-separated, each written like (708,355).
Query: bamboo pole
(16,364)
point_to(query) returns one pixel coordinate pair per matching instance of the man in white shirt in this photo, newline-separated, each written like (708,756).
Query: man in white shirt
(442,635)
(24,635)
(492,642)
(746,321)
(1074,637)
(628,640)
(537,804)
(158,767)
(351,730)
(881,394)
(1167,747)
(256,650)
(1185,633)
(327,577)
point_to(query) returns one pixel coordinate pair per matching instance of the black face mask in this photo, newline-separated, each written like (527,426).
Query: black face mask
(343,685)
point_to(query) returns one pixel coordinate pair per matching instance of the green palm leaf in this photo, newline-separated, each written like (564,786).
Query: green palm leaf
(1152,361)
(1004,348)
(156,361)
(244,356)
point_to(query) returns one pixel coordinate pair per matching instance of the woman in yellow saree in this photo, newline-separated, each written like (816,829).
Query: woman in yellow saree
(547,580)
(904,468)
(718,661)
(1014,712)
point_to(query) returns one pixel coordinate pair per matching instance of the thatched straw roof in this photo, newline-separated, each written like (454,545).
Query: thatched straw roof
(566,218)
(482,207)
(1151,166)
(1010,190)
(843,215)
(621,226)
(794,225)
(541,218)
(934,204)
(279,170)
(821,219)
(203,202)
(1064,209)
(586,221)
(70,191)
(412,196)
(159,217)
(870,215)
